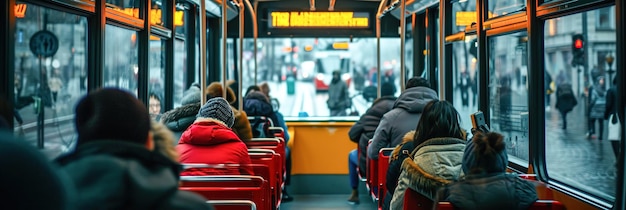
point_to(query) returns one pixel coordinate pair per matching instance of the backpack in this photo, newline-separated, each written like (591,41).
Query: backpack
(598,105)
(260,127)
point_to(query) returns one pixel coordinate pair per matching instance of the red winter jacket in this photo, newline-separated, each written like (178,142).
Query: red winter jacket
(210,142)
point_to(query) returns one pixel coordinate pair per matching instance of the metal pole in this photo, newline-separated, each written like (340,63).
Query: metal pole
(255,28)
(202,50)
(402,48)
(378,17)
(241,28)
(224,47)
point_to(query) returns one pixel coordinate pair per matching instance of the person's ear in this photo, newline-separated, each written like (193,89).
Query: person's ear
(150,141)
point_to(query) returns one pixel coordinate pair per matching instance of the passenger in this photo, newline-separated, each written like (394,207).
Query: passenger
(257,104)
(164,141)
(436,160)
(241,127)
(362,131)
(113,165)
(210,140)
(180,118)
(565,101)
(407,109)
(155,106)
(338,97)
(597,106)
(280,122)
(486,185)
(29,181)
(610,114)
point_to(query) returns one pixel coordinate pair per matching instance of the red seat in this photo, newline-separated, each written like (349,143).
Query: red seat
(372,178)
(416,201)
(273,161)
(278,132)
(275,144)
(237,187)
(543,191)
(538,205)
(383,166)
(228,204)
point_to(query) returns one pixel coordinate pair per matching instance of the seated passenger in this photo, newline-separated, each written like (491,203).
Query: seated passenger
(436,160)
(403,117)
(113,165)
(486,184)
(362,131)
(258,104)
(241,126)
(180,118)
(210,140)
(28,180)
(265,89)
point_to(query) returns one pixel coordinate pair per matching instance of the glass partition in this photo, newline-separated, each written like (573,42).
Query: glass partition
(120,59)
(465,92)
(299,71)
(581,136)
(508,93)
(49,82)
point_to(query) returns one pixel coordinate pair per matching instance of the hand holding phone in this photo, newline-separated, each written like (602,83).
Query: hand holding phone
(478,122)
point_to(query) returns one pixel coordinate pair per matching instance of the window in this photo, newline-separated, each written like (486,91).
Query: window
(465,75)
(310,63)
(507,92)
(579,152)
(120,59)
(605,18)
(463,15)
(156,83)
(54,83)
(503,7)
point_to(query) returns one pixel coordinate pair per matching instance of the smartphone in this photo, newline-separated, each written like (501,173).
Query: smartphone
(478,121)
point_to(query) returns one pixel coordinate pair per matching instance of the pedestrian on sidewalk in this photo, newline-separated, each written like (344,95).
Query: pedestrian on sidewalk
(565,101)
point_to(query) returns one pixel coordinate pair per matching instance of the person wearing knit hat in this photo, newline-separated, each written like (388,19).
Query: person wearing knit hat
(114,151)
(241,126)
(210,140)
(486,184)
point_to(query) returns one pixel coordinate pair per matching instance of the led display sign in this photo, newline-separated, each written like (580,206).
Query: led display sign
(319,20)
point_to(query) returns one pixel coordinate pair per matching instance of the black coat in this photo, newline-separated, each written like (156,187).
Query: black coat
(363,130)
(120,175)
(179,119)
(566,100)
(257,104)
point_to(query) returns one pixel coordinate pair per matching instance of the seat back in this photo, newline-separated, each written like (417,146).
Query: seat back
(278,132)
(260,126)
(273,161)
(236,187)
(372,178)
(383,166)
(416,201)
(538,205)
(228,204)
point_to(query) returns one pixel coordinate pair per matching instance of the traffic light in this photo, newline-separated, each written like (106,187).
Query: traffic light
(578,50)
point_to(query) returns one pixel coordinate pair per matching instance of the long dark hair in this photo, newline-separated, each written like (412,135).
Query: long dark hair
(439,119)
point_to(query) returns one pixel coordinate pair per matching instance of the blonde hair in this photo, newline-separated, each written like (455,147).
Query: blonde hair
(164,140)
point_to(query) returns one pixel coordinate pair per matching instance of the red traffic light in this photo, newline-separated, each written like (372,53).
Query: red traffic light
(578,43)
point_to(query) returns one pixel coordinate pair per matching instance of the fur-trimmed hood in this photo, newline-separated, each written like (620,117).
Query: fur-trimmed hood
(435,163)
(408,137)
(215,90)
(180,118)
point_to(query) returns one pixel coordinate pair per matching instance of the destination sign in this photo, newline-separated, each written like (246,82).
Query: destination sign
(319,20)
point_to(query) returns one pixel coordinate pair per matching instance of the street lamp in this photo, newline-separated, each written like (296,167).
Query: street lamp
(609,60)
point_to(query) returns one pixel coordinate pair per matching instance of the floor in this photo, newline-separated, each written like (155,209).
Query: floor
(333,201)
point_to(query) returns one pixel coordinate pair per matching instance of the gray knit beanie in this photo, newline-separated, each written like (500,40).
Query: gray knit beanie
(217,108)
(191,95)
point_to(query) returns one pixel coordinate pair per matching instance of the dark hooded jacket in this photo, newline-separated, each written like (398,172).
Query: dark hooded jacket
(257,104)
(112,174)
(403,118)
(363,130)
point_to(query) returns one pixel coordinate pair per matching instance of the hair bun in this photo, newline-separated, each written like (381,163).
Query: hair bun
(489,143)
